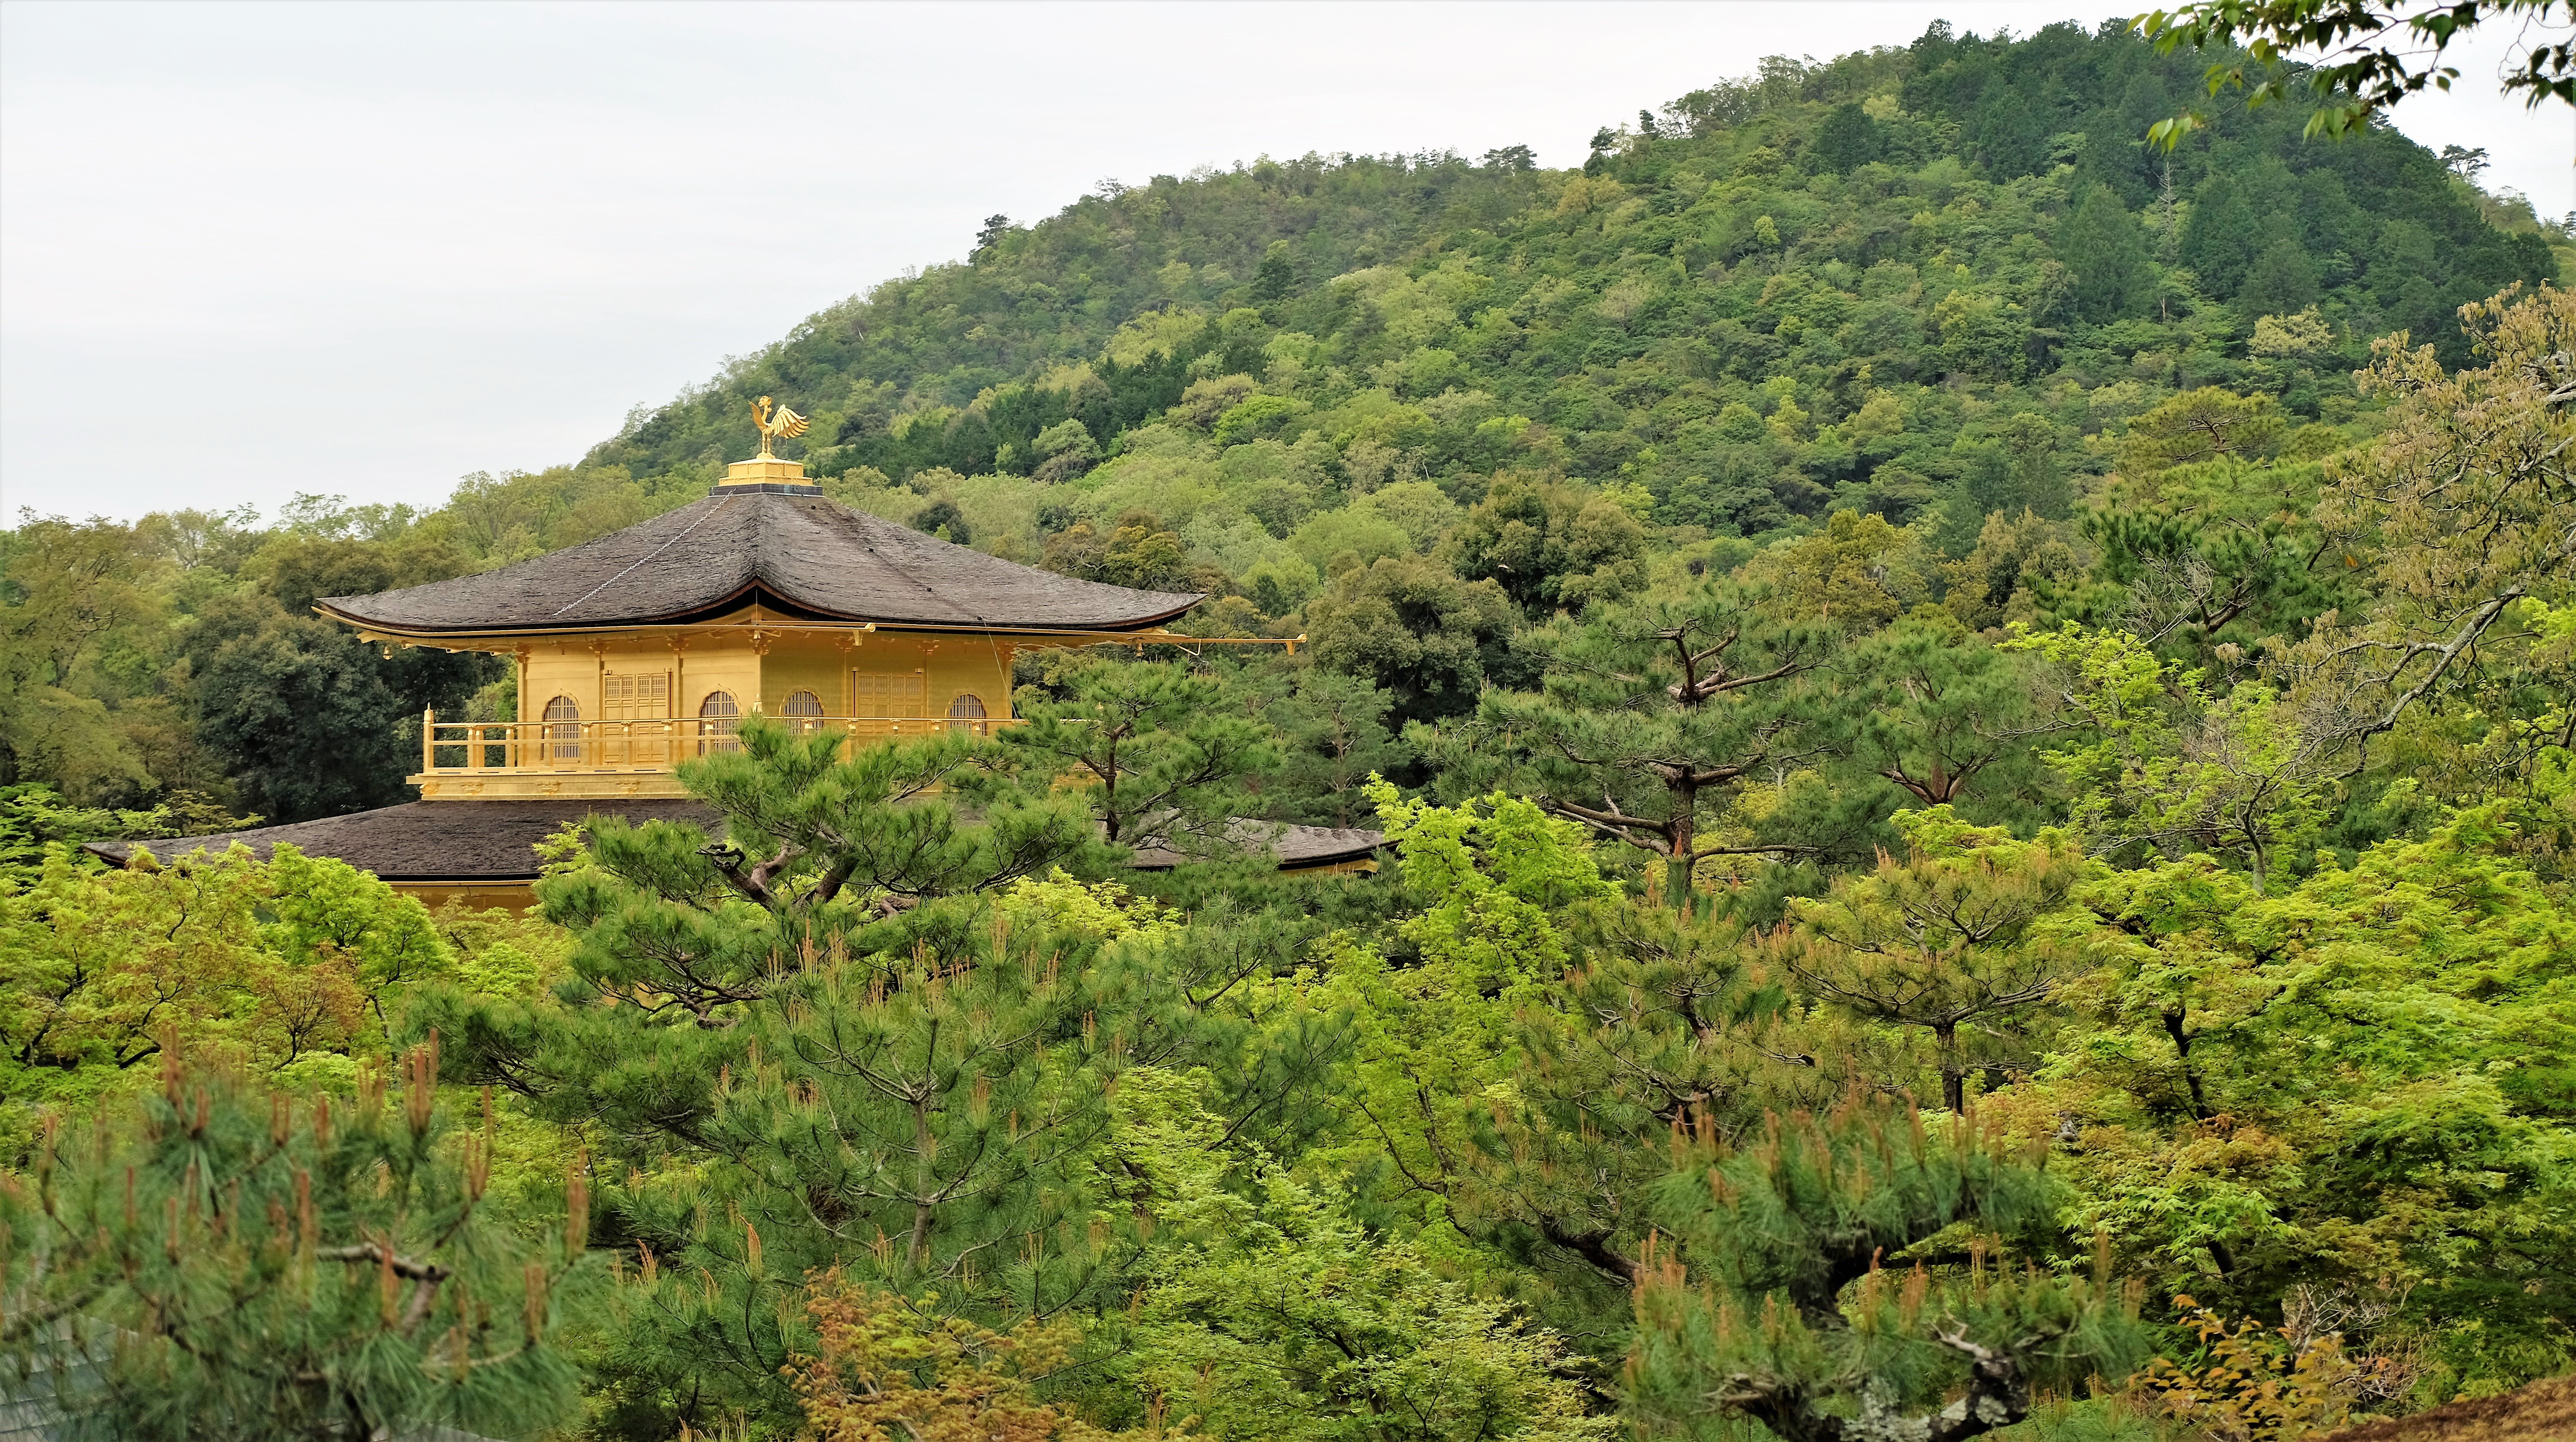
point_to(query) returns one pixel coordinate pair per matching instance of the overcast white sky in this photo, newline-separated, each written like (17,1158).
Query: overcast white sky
(250,250)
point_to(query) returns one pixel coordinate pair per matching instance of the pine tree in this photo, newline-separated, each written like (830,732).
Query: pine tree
(236,1264)
(821,1042)
(1165,757)
(1665,1022)
(1847,140)
(857,1033)
(1658,709)
(1952,938)
(1779,1298)
(1276,280)
(1941,714)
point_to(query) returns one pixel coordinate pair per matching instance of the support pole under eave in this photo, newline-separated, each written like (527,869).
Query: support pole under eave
(428,728)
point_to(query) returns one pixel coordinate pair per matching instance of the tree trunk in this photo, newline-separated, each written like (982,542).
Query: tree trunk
(1954,1077)
(1678,862)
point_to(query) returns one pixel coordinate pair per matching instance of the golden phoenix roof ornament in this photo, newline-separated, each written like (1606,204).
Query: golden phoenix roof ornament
(774,424)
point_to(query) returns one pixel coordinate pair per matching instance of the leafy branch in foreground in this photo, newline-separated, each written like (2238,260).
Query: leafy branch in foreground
(2374,53)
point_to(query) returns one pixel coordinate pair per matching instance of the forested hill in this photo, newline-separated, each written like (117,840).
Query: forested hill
(1980,212)
(1413,405)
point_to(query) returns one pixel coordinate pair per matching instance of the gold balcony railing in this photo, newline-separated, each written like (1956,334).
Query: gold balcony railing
(462,748)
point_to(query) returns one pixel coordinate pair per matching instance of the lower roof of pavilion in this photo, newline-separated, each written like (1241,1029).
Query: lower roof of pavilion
(494,842)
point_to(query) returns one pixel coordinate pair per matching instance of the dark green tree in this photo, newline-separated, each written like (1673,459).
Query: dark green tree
(1933,709)
(2282,281)
(990,235)
(2103,245)
(1550,546)
(313,722)
(1953,939)
(1411,626)
(1666,1023)
(802,1071)
(1276,280)
(2235,557)
(1332,736)
(1847,140)
(2218,240)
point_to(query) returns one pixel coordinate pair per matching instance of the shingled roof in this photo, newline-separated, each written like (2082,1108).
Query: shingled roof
(1296,848)
(788,547)
(459,841)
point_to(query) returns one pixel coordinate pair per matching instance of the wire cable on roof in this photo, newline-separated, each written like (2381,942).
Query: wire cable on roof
(720,504)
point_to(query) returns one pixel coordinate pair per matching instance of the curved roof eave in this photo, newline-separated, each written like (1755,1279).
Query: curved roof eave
(748,595)
(804,554)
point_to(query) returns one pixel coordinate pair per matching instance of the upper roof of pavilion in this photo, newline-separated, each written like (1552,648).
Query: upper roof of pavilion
(787,548)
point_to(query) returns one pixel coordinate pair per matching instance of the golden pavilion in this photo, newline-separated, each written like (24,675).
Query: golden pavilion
(648,646)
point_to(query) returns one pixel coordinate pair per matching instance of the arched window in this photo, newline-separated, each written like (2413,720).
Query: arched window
(804,711)
(563,730)
(718,717)
(966,713)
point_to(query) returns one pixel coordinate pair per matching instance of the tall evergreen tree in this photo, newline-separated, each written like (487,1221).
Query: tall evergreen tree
(819,1043)
(2282,281)
(1942,715)
(1162,757)
(1847,140)
(2103,245)
(2218,240)
(1952,936)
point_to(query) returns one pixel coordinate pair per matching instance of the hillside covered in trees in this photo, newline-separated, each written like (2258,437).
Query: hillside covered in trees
(1973,720)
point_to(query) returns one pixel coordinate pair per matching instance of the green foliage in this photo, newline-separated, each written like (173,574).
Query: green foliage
(2161,762)
(2105,247)
(1412,628)
(2378,54)
(1332,735)
(1268,1312)
(33,817)
(2421,1173)
(1658,708)
(844,1055)
(286,969)
(1497,872)
(1548,546)
(1943,716)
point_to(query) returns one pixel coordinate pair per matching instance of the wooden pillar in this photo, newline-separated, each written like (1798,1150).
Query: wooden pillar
(519,714)
(679,696)
(598,731)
